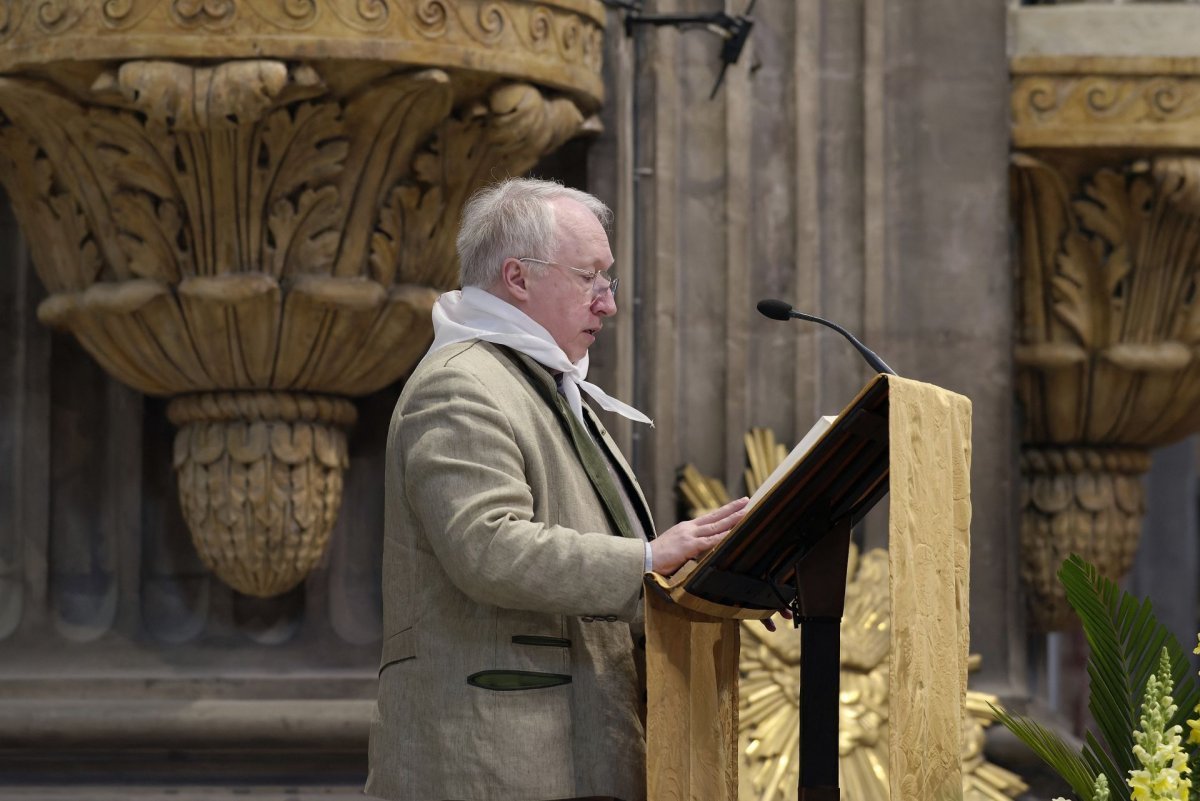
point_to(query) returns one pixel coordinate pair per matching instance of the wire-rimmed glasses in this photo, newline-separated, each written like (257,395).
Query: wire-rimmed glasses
(598,280)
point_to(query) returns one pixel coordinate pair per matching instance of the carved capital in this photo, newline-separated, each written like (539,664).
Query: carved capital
(1108,327)
(237,196)
(311,233)
(1108,331)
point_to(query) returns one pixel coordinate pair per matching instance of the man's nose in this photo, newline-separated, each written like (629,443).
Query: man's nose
(605,305)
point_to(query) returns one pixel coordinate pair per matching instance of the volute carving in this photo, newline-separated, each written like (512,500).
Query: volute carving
(262,234)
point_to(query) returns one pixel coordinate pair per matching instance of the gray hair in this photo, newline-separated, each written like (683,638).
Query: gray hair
(513,219)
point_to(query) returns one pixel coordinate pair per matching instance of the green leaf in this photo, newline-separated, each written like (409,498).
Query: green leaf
(1124,640)
(1052,750)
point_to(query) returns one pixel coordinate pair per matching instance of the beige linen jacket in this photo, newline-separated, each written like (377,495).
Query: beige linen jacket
(510,576)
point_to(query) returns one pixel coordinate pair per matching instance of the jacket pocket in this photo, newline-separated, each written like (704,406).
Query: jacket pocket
(507,680)
(537,639)
(397,648)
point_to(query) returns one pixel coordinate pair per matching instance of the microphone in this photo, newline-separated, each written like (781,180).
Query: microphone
(778,310)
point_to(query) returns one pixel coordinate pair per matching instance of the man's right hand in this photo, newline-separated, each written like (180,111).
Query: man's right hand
(691,538)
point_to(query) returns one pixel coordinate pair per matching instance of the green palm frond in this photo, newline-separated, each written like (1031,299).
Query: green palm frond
(1124,641)
(1052,750)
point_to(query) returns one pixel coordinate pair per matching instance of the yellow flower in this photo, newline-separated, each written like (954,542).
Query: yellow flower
(1100,789)
(1163,776)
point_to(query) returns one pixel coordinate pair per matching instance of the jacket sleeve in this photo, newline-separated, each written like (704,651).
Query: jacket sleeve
(464,477)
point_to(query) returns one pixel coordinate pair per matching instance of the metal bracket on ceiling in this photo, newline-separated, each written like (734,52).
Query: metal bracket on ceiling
(735,30)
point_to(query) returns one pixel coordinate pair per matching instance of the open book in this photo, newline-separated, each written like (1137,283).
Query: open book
(802,447)
(837,472)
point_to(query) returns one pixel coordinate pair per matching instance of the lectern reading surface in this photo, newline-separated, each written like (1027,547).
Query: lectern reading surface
(836,483)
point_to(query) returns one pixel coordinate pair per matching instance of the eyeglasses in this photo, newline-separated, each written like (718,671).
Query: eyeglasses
(598,280)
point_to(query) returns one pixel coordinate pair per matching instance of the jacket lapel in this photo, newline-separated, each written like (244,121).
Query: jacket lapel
(615,457)
(589,455)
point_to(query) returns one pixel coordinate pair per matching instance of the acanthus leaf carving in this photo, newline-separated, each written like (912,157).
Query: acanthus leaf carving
(392,120)
(58,233)
(304,235)
(304,146)
(411,227)
(298,154)
(505,136)
(150,235)
(142,181)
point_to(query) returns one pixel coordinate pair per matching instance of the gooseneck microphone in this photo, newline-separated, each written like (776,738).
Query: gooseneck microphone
(778,310)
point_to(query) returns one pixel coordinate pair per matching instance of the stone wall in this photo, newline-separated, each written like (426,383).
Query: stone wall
(853,163)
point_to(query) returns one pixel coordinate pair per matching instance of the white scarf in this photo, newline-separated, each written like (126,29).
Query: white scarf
(472,313)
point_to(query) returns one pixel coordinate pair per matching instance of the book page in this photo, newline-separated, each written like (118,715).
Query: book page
(792,459)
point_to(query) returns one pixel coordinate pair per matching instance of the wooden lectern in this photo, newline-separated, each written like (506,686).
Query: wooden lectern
(790,551)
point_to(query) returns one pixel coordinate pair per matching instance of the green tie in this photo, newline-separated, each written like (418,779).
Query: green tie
(589,452)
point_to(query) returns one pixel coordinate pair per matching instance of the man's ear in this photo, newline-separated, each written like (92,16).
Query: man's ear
(514,275)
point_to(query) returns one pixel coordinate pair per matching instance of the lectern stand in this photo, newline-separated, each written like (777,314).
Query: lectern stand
(789,551)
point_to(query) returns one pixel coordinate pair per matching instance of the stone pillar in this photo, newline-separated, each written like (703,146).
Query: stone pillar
(847,168)
(1107,205)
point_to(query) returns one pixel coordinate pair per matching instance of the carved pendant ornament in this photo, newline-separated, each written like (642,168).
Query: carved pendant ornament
(1108,327)
(261,238)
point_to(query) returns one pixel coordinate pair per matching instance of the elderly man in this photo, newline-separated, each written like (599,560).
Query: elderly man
(516,536)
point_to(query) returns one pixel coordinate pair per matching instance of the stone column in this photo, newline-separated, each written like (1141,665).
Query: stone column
(1106,191)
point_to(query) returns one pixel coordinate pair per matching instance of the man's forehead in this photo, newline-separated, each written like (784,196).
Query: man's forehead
(570,212)
(577,226)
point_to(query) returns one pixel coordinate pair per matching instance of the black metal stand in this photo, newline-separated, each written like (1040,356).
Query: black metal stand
(820,600)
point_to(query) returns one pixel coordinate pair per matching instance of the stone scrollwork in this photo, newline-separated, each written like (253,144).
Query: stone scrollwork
(295,15)
(9,18)
(367,15)
(1108,330)
(56,16)
(209,13)
(549,42)
(262,228)
(1086,102)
